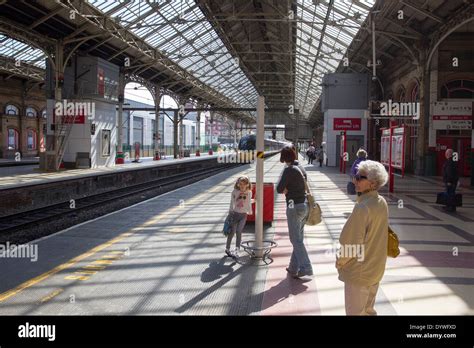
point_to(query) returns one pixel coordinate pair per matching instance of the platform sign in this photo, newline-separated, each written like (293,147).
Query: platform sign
(353,124)
(385,147)
(452,115)
(398,148)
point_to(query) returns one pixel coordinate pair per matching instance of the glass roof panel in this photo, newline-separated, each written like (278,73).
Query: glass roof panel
(180,30)
(15,49)
(315,58)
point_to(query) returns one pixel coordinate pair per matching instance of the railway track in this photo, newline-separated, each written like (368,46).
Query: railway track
(54,212)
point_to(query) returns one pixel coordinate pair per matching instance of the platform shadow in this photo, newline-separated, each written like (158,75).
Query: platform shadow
(216,270)
(283,290)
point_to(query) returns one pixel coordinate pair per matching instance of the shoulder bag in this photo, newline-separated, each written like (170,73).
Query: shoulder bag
(393,249)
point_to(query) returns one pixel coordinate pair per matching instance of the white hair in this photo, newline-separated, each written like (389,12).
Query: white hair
(374,171)
(361,153)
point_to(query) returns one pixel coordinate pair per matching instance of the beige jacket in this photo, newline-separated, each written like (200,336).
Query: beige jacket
(364,241)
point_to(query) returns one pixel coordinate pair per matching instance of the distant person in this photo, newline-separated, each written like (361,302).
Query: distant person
(320,155)
(292,184)
(450,179)
(311,153)
(363,253)
(361,156)
(240,207)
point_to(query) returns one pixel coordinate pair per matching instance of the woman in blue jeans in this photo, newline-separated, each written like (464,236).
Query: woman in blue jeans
(293,186)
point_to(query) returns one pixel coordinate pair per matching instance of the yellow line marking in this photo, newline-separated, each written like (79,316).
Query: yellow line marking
(51,295)
(6,295)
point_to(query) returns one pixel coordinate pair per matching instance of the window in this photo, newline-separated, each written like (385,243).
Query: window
(12,139)
(31,112)
(105,144)
(138,130)
(459,89)
(11,110)
(31,139)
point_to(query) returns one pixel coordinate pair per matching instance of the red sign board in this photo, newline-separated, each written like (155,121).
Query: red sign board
(78,119)
(347,124)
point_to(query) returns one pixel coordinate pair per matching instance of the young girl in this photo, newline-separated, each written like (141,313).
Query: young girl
(240,206)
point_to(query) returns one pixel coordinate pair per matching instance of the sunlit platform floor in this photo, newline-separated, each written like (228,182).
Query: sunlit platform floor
(165,256)
(24,175)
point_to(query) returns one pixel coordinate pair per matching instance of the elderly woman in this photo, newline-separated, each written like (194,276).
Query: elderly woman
(292,184)
(361,156)
(363,254)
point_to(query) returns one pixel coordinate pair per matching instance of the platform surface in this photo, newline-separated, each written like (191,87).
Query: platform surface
(31,175)
(166,256)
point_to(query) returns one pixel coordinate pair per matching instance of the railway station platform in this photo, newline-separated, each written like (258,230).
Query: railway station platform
(15,176)
(165,256)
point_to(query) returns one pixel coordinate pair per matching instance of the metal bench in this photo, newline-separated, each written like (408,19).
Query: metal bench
(251,249)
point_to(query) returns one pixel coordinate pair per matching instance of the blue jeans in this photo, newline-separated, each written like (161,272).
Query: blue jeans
(297,217)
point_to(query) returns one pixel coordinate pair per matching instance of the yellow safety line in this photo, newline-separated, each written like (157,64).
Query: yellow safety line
(36,280)
(6,295)
(51,295)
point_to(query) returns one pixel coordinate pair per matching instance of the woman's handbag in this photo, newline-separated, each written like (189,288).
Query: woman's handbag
(314,216)
(393,249)
(228,224)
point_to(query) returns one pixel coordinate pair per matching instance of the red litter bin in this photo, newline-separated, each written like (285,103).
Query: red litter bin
(268,202)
